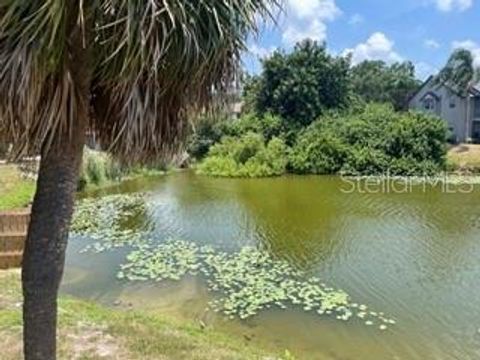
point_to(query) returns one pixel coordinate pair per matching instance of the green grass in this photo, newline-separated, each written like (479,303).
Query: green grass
(465,157)
(15,192)
(90,331)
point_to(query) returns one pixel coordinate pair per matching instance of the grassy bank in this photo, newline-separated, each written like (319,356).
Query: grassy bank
(98,171)
(465,158)
(15,192)
(89,331)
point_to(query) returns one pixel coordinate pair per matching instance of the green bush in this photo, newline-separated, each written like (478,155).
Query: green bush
(209,131)
(365,160)
(245,124)
(319,150)
(246,156)
(364,140)
(376,140)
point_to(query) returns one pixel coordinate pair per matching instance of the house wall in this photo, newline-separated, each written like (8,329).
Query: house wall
(454,116)
(476,121)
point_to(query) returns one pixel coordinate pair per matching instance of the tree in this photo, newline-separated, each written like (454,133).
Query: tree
(375,81)
(301,85)
(459,75)
(128,70)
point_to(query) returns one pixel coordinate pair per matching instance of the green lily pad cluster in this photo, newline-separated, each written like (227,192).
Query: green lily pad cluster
(107,220)
(246,281)
(170,261)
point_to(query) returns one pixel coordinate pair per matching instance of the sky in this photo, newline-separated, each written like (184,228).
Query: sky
(422,31)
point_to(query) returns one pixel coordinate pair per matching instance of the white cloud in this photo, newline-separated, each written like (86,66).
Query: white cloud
(356,19)
(314,9)
(308,19)
(377,47)
(453,5)
(432,44)
(469,45)
(317,31)
(260,51)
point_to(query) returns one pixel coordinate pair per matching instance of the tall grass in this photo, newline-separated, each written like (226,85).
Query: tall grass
(98,169)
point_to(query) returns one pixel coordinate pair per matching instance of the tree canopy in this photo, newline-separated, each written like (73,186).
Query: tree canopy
(459,73)
(299,86)
(376,81)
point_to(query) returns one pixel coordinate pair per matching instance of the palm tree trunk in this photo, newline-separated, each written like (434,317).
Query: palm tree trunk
(44,255)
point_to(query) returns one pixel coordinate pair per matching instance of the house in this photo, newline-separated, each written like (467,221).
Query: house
(461,114)
(236,110)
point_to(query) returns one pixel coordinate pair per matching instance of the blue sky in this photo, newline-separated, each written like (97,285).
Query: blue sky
(422,31)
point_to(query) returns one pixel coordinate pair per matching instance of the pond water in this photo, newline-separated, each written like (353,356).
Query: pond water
(413,255)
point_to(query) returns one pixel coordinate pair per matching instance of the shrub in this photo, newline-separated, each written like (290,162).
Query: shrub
(418,136)
(210,131)
(207,132)
(246,123)
(275,155)
(221,166)
(374,141)
(246,156)
(318,151)
(268,125)
(365,160)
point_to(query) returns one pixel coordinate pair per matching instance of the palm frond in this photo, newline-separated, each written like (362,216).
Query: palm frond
(160,59)
(152,61)
(37,91)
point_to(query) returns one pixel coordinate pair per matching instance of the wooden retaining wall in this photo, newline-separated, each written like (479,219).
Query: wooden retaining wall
(13,233)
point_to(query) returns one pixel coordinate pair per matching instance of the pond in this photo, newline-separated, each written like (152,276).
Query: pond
(413,255)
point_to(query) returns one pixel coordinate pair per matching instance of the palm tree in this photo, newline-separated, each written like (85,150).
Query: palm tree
(128,70)
(460,75)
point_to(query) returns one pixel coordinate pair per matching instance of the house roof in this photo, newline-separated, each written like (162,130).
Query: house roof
(474,90)
(430,94)
(425,83)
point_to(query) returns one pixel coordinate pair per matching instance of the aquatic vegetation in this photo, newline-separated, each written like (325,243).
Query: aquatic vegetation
(245,282)
(175,260)
(108,220)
